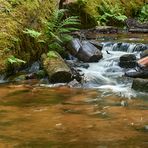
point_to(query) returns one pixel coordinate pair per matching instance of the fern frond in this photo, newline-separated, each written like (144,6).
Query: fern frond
(32,33)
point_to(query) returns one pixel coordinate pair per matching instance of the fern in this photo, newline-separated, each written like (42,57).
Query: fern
(12,59)
(143,16)
(32,33)
(58,28)
(108,12)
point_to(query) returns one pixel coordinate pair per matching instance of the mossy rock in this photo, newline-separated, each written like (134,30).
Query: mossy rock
(15,17)
(57,70)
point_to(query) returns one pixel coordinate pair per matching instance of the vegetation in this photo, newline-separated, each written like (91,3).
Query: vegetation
(143,15)
(56,31)
(108,12)
(59,27)
(31,27)
(15,16)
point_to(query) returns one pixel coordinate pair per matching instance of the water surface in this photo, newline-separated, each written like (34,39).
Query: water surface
(32,116)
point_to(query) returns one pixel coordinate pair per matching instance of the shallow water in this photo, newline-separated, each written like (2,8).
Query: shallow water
(102,113)
(39,117)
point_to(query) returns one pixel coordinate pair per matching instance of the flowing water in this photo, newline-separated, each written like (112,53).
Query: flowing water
(104,112)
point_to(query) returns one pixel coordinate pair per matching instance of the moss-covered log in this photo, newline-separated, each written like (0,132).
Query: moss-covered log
(56,68)
(15,17)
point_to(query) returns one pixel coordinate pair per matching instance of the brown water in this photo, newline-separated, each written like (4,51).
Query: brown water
(37,117)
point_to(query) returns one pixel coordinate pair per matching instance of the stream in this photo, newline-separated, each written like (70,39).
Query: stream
(103,112)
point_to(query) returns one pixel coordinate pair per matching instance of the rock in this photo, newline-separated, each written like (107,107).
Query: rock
(140,84)
(56,68)
(143,61)
(144,53)
(137,74)
(138,30)
(74,46)
(106,29)
(140,47)
(135,24)
(84,51)
(97,44)
(128,61)
(89,53)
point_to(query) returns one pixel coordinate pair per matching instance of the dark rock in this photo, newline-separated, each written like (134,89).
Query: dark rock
(74,46)
(104,29)
(134,26)
(84,51)
(89,53)
(140,47)
(31,76)
(128,61)
(144,54)
(76,74)
(97,44)
(138,74)
(140,85)
(138,30)
(133,23)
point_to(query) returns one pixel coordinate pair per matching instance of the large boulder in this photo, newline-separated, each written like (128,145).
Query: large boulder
(89,53)
(84,51)
(15,17)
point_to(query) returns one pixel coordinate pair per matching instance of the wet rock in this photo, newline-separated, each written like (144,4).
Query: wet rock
(73,63)
(137,74)
(103,29)
(140,47)
(84,51)
(135,26)
(140,84)
(89,53)
(74,83)
(36,75)
(97,44)
(143,62)
(74,46)
(128,61)
(144,53)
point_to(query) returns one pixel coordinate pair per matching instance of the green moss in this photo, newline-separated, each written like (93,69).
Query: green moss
(52,54)
(15,17)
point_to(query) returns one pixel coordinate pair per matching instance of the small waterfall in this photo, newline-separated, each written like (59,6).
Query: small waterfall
(106,75)
(125,47)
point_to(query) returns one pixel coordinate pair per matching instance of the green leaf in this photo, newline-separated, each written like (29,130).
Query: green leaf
(12,59)
(32,33)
